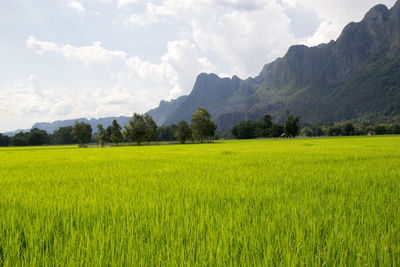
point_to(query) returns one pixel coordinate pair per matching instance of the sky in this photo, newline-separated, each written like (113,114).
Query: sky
(66,59)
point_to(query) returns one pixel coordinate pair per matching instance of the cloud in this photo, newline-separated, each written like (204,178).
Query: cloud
(35,85)
(122,3)
(334,15)
(77,6)
(94,54)
(143,19)
(137,85)
(243,5)
(41,47)
(245,35)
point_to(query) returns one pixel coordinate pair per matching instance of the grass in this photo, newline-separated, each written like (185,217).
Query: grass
(332,201)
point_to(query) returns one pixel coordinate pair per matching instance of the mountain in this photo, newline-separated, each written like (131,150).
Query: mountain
(355,77)
(166,109)
(15,132)
(50,127)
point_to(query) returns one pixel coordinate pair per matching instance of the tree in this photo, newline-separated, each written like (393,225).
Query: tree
(267,121)
(63,136)
(348,129)
(277,130)
(151,128)
(333,130)
(380,129)
(101,134)
(20,139)
(82,132)
(263,127)
(244,130)
(183,132)
(306,131)
(4,140)
(136,129)
(202,125)
(291,127)
(37,137)
(166,133)
(116,135)
(395,128)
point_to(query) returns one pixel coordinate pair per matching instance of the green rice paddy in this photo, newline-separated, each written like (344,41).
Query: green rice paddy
(238,203)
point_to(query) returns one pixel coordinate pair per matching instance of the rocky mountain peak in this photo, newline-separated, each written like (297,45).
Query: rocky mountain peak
(379,12)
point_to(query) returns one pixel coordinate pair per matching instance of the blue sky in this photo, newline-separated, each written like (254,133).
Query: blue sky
(65,59)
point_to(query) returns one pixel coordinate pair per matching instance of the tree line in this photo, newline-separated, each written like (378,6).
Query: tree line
(265,128)
(350,129)
(140,128)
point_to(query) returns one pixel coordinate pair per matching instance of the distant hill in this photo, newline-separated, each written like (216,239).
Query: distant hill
(355,77)
(166,109)
(15,132)
(50,127)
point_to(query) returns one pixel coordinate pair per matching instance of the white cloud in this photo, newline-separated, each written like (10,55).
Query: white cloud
(35,85)
(143,19)
(335,15)
(94,54)
(122,3)
(41,47)
(77,6)
(183,57)
(243,34)
(101,1)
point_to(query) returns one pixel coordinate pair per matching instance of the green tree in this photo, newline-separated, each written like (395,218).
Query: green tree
(37,137)
(4,140)
(166,133)
(306,131)
(277,130)
(334,130)
(136,129)
(82,132)
(202,125)
(348,129)
(380,129)
(291,127)
(183,132)
(151,128)
(244,130)
(267,121)
(63,136)
(116,135)
(101,134)
(20,139)
(395,128)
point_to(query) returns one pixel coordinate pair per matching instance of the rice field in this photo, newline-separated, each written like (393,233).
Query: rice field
(332,201)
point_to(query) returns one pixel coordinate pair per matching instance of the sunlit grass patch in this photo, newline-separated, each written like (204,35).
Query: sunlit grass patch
(332,201)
